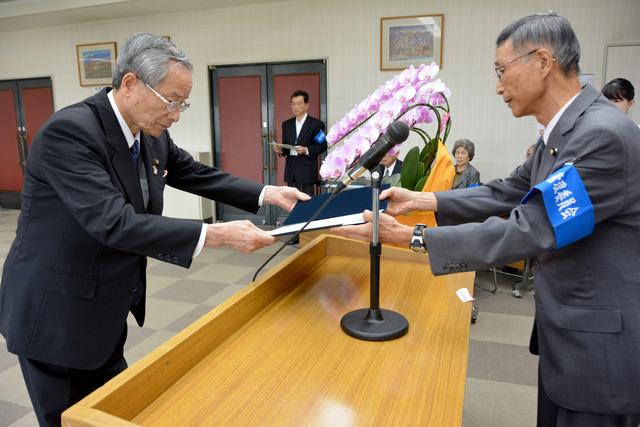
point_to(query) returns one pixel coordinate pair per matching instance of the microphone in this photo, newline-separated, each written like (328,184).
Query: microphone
(396,133)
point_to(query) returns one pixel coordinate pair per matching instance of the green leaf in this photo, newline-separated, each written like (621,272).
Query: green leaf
(421,183)
(420,170)
(409,169)
(429,151)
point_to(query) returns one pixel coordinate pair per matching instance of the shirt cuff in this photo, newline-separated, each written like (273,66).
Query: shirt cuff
(261,198)
(200,244)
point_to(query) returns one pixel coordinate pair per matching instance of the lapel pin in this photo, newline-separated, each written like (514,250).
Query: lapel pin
(553,151)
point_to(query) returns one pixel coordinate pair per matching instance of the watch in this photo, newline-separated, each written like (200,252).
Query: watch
(417,241)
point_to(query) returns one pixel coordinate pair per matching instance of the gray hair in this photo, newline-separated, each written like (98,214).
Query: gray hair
(467,145)
(545,29)
(148,57)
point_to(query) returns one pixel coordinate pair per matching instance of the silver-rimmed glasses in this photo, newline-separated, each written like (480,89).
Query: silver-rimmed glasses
(171,106)
(500,68)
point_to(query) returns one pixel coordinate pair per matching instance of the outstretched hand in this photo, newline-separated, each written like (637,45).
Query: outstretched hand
(284,197)
(240,235)
(401,201)
(390,230)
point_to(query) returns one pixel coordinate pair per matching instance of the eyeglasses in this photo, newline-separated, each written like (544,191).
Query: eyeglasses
(297,104)
(171,106)
(501,68)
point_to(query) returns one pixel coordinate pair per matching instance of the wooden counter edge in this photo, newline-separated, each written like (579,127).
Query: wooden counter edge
(88,417)
(153,374)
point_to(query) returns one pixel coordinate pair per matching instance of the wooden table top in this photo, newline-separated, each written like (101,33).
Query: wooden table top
(292,365)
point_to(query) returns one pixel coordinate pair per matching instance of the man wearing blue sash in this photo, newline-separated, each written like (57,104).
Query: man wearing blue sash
(575,207)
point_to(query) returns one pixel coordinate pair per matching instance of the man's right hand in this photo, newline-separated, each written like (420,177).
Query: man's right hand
(277,149)
(402,201)
(240,235)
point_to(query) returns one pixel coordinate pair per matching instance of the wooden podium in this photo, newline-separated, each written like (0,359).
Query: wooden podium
(274,354)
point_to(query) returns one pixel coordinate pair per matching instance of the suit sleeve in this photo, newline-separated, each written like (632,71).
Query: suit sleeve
(314,148)
(497,197)
(602,165)
(187,174)
(475,178)
(75,168)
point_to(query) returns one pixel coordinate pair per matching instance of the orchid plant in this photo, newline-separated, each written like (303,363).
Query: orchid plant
(412,97)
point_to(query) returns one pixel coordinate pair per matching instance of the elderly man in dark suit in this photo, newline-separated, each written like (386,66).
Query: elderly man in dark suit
(306,133)
(91,214)
(392,168)
(587,322)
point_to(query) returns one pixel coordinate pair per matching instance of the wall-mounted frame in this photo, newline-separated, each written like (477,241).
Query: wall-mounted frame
(407,40)
(96,63)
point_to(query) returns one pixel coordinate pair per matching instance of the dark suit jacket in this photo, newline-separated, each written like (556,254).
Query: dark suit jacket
(79,256)
(587,293)
(397,167)
(302,169)
(394,179)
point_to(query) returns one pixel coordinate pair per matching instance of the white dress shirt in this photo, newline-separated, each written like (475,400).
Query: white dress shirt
(299,124)
(554,121)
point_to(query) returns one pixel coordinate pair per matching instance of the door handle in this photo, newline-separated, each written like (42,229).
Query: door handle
(21,141)
(266,150)
(19,146)
(272,160)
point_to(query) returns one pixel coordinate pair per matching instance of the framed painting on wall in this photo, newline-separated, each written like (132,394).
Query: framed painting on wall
(96,63)
(407,40)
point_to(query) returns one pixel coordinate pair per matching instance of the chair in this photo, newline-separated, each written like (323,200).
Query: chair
(525,278)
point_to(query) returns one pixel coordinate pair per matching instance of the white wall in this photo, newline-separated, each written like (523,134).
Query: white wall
(346,32)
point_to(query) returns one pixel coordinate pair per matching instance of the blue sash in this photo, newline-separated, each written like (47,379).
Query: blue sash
(320,137)
(567,203)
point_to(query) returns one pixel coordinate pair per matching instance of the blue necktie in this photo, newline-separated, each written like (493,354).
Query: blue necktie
(135,153)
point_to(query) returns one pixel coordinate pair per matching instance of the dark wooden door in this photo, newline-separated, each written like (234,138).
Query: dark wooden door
(239,97)
(24,107)
(249,104)
(286,79)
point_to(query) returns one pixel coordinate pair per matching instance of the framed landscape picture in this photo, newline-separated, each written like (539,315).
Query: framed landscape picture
(96,63)
(406,40)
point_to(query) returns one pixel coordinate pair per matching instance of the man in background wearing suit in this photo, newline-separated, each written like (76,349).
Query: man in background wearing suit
(392,167)
(587,321)
(91,214)
(307,134)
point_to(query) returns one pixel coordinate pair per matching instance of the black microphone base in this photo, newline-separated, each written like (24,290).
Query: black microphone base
(374,325)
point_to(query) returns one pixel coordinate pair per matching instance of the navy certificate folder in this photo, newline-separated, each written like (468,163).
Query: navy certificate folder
(345,209)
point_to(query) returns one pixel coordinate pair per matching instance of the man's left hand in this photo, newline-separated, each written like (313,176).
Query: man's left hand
(284,197)
(301,150)
(390,231)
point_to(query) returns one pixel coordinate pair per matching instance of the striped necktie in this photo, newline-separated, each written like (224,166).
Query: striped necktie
(135,153)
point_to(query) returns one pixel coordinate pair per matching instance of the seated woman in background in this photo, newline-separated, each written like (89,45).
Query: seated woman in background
(621,92)
(466,175)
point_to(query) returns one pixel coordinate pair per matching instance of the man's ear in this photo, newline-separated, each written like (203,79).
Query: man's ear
(129,80)
(547,60)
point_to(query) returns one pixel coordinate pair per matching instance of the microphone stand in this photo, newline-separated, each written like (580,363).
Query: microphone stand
(374,323)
